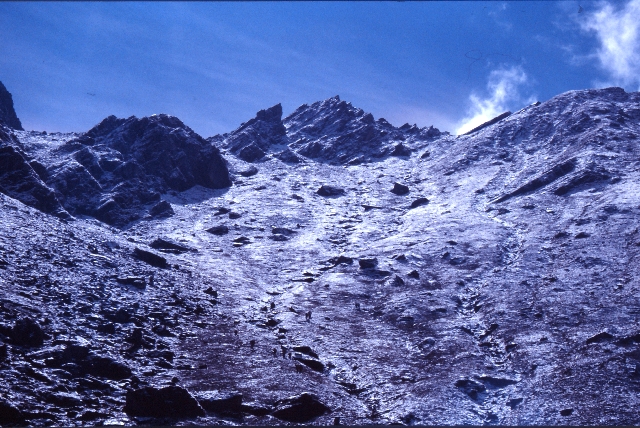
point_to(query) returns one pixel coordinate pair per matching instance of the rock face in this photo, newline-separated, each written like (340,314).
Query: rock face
(117,171)
(167,402)
(336,132)
(8,115)
(19,180)
(254,139)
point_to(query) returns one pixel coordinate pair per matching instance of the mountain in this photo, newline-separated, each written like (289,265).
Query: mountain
(118,170)
(347,271)
(253,139)
(336,132)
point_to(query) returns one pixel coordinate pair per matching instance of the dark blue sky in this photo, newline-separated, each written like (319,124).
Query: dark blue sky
(450,64)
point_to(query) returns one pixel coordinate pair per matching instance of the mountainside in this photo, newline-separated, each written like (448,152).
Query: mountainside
(325,265)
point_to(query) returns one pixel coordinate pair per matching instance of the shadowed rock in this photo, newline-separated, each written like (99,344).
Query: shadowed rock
(150,258)
(168,246)
(162,209)
(399,189)
(231,404)
(118,168)
(249,172)
(419,202)
(336,132)
(300,409)
(19,181)
(326,191)
(168,402)
(10,414)
(218,230)
(368,263)
(27,332)
(253,139)
(8,115)
(401,150)
(548,177)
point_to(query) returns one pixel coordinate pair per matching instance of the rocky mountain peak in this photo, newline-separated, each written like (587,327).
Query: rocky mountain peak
(119,169)
(8,115)
(255,138)
(335,131)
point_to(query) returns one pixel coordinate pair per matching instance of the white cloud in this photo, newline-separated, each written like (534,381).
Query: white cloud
(504,88)
(618,31)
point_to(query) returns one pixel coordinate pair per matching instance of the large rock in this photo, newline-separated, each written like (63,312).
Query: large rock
(117,171)
(106,367)
(326,190)
(9,414)
(19,180)
(225,404)
(168,402)
(27,332)
(254,139)
(336,132)
(8,115)
(300,409)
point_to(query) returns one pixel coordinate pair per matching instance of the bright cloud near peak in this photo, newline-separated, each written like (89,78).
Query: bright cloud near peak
(504,90)
(618,31)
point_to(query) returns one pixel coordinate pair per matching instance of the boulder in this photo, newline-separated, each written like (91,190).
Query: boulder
(9,414)
(419,202)
(105,367)
(326,191)
(225,404)
(396,281)
(400,189)
(305,350)
(168,402)
(251,171)
(27,332)
(168,246)
(300,409)
(150,258)
(368,262)
(162,209)
(288,156)
(218,230)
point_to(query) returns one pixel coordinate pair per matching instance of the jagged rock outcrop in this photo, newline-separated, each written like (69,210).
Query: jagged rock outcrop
(255,138)
(8,115)
(334,131)
(19,180)
(117,171)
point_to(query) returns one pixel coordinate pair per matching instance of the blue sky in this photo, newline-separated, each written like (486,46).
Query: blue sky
(214,65)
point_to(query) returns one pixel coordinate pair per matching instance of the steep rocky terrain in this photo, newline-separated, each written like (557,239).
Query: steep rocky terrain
(325,268)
